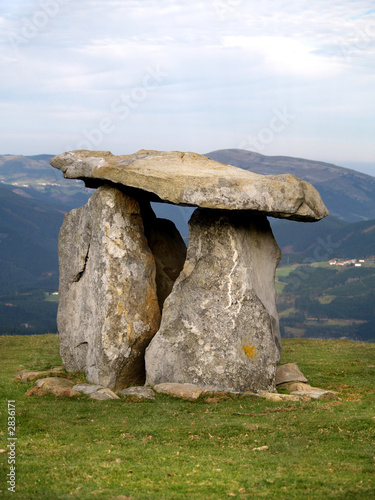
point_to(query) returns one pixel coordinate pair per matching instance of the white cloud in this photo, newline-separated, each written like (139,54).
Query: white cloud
(222,76)
(284,55)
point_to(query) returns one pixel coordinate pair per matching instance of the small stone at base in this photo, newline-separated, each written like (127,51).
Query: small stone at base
(139,392)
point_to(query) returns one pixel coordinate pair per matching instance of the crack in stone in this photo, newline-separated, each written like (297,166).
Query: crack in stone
(79,275)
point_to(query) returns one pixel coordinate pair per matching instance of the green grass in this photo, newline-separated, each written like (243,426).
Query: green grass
(279,287)
(287,312)
(168,448)
(49,297)
(326,299)
(283,272)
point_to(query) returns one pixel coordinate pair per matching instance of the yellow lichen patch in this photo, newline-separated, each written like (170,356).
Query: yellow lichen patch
(120,309)
(129,332)
(120,338)
(249,350)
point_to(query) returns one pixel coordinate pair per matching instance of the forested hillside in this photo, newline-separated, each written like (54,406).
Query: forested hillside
(327,301)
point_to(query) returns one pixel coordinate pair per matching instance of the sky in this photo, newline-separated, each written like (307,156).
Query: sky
(277,77)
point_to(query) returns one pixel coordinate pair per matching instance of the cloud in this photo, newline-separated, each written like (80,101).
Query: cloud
(226,66)
(282,55)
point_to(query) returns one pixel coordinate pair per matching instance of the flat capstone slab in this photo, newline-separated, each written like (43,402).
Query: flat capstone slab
(191,179)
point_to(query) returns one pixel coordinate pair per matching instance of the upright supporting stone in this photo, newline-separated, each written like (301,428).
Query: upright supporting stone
(219,328)
(108,310)
(168,248)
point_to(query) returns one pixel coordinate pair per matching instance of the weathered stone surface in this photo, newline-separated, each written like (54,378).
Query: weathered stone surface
(57,386)
(54,381)
(108,308)
(249,394)
(102,396)
(301,389)
(96,391)
(87,388)
(183,391)
(296,386)
(316,394)
(289,373)
(220,324)
(104,391)
(192,179)
(99,396)
(275,397)
(139,392)
(30,375)
(168,249)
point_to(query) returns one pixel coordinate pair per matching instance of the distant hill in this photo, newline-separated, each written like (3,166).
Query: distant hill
(323,301)
(33,200)
(33,177)
(348,194)
(325,239)
(28,241)
(28,263)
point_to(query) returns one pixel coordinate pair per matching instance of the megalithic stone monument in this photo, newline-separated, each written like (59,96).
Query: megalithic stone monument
(131,299)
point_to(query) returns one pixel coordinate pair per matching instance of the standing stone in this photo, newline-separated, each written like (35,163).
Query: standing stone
(219,328)
(168,249)
(108,310)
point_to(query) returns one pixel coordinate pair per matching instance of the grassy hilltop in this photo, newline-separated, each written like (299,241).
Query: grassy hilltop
(208,449)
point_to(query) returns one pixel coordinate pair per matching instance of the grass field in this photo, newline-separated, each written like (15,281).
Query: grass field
(173,449)
(283,272)
(50,297)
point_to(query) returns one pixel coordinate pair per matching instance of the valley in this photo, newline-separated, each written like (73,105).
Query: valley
(320,300)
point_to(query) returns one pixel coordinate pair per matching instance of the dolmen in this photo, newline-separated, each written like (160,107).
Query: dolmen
(136,306)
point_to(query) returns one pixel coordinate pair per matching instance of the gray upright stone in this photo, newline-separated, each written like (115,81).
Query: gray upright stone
(219,328)
(169,251)
(108,310)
